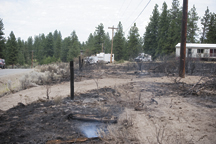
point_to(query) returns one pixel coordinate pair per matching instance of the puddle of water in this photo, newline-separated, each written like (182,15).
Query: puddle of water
(89,129)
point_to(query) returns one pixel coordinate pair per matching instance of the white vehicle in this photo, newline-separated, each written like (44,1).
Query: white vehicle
(92,60)
(143,57)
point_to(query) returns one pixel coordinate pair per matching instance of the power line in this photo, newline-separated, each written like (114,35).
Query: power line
(126,8)
(122,5)
(139,15)
(134,10)
(139,4)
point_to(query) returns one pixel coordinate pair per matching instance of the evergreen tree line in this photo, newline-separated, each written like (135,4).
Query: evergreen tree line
(162,33)
(42,49)
(164,29)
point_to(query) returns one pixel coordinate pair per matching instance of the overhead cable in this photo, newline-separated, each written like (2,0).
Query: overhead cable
(134,10)
(138,15)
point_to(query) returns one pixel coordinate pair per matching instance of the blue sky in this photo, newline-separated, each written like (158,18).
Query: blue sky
(33,17)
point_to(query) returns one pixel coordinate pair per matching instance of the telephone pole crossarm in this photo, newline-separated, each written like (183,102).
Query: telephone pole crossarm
(112,41)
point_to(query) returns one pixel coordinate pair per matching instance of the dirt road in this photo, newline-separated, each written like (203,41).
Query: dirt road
(63,89)
(6,72)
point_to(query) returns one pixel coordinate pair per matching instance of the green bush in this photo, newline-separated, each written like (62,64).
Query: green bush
(120,61)
(48,60)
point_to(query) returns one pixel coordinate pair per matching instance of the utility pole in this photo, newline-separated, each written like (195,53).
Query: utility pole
(112,41)
(183,39)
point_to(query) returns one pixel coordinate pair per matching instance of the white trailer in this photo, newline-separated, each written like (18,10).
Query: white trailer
(195,50)
(100,56)
(105,57)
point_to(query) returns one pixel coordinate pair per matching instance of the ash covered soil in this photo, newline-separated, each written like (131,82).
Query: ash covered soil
(153,102)
(41,121)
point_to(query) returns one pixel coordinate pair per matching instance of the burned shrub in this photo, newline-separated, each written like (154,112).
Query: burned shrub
(167,64)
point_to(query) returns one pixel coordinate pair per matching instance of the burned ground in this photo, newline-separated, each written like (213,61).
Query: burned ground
(42,121)
(144,106)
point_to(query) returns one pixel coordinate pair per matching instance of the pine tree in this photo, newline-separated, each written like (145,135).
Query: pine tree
(74,37)
(133,42)
(74,51)
(49,45)
(2,40)
(211,34)
(151,35)
(30,49)
(174,32)
(26,53)
(125,55)
(107,43)
(99,38)
(20,46)
(74,48)
(57,48)
(89,45)
(57,40)
(163,27)
(36,46)
(140,45)
(40,50)
(12,49)
(65,48)
(205,22)
(1,30)
(118,43)
(55,35)
(83,46)
(192,27)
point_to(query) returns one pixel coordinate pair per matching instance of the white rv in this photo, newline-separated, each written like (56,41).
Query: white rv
(105,57)
(195,50)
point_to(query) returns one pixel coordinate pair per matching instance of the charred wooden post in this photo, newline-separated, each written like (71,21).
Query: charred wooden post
(183,39)
(72,79)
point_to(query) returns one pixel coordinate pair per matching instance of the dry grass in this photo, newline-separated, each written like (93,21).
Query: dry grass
(45,75)
(132,128)
(122,132)
(57,100)
(140,126)
(9,86)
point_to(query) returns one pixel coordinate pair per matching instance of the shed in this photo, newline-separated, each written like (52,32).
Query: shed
(196,50)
